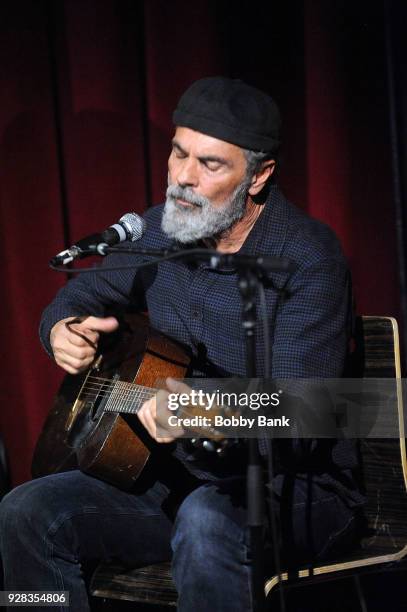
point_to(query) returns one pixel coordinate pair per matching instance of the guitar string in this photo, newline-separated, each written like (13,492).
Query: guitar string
(125,402)
(118,402)
(121,389)
(115,404)
(122,396)
(89,393)
(94,385)
(92,389)
(129,392)
(126,394)
(106,384)
(116,398)
(110,381)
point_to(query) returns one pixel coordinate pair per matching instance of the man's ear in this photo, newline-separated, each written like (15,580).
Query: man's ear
(261,177)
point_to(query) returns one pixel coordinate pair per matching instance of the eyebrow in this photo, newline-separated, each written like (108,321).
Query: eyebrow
(202,158)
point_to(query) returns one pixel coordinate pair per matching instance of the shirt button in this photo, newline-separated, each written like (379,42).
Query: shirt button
(196,313)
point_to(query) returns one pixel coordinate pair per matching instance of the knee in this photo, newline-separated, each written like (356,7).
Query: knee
(209,547)
(198,515)
(32,511)
(23,506)
(206,524)
(17,504)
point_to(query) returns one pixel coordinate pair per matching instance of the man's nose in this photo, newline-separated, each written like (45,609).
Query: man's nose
(188,174)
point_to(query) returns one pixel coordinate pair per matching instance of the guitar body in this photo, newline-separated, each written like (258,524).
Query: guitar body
(80,433)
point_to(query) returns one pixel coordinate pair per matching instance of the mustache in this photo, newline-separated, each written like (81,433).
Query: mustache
(186,194)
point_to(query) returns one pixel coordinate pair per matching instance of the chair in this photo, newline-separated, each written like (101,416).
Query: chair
(375,355)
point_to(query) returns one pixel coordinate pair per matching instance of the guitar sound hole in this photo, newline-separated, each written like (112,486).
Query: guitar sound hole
(87,419)
(82,427)
(98,405)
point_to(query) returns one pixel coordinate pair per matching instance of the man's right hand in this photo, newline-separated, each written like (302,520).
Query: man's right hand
(73,352)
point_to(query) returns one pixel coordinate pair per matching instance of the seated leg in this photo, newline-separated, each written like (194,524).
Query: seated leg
(211,566)
(51,528)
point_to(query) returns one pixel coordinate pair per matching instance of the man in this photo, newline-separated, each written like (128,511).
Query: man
(190,507)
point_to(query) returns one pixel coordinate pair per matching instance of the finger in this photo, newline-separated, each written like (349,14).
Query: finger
(147,416)
(87,330)
(74,356)
(74,366)
(176,386)
(161,412)
(100,324)
(81,337)
(145,411)
(162,440)
(73,350)
(166,430)
(86,336)
(68,368)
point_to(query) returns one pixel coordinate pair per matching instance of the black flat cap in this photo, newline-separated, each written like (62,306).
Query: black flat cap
(230,110)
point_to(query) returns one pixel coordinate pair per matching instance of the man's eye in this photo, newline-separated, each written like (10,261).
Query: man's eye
(212,166)
(179,154)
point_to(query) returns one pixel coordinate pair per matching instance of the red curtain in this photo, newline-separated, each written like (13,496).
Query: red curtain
(88,87)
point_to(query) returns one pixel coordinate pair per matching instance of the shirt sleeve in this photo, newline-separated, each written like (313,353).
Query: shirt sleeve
(309,341)
(312,323)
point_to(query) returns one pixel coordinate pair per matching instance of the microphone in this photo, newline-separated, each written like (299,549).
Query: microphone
(129,227)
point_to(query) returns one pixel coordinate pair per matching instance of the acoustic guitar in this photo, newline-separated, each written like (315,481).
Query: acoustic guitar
(93,424)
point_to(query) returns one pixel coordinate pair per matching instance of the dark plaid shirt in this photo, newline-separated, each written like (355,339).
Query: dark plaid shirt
(201,308)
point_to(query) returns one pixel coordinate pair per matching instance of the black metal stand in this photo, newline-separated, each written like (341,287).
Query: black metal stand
(248,283)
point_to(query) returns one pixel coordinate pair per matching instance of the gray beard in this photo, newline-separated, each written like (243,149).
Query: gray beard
(203,220)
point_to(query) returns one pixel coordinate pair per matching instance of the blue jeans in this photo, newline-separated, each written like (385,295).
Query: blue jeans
(54,528)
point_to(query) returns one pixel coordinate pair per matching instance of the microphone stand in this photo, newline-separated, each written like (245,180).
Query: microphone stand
(262,263)
(248,283)
(249,268)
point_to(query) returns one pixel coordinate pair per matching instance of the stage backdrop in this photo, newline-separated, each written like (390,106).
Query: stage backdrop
(87,91)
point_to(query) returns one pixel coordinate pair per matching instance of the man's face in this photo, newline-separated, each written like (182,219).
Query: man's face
(207,186)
